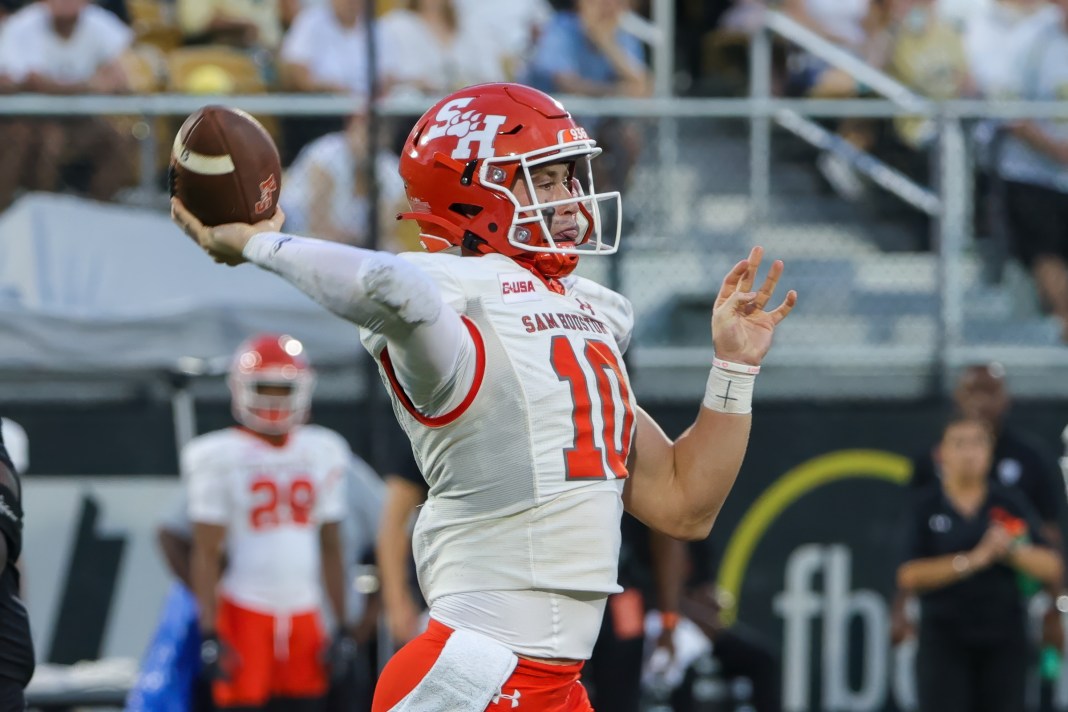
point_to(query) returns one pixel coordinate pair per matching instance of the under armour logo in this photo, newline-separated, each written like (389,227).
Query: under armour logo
(278,244)
(514,697)
(585,306)
(469,126)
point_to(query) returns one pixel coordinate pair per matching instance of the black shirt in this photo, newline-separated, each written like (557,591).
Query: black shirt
(16,645)
(1017,464)
(636,560)
(987,606)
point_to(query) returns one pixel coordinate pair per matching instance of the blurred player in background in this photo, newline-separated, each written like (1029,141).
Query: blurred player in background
(507,373)
(16,645)
(270,496)
(18,445)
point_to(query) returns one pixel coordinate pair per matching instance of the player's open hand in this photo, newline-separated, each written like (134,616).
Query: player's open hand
(224,243)
(741,326)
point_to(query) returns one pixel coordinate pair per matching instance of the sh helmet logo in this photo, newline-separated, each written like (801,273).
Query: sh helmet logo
(469,126)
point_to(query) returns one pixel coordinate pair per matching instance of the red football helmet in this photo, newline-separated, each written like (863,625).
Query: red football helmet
(274,362)
(466,153)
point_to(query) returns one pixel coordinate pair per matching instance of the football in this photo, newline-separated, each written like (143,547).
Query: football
(225,167)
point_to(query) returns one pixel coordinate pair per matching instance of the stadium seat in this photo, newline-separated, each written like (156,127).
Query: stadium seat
(146,68)
(153,23)
(238,73)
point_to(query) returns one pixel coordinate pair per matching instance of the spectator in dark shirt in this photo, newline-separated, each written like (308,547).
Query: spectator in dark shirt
(971,548)
(740,651)
(16,646)
(651,572)
(1017,464)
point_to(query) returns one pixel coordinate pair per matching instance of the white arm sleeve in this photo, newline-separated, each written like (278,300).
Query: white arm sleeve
(431,349)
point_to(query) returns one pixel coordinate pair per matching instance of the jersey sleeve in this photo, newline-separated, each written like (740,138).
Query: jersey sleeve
(331,500)
(204,472)
(436,364)
(449,287)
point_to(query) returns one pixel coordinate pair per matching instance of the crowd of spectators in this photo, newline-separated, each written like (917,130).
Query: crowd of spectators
(942,50)
(422,49)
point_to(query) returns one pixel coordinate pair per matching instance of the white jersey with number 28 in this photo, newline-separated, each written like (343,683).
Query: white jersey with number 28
(272,501)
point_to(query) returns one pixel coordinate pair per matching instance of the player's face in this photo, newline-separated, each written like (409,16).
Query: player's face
(265,389)
(273,405)
(966,451)
(552,182)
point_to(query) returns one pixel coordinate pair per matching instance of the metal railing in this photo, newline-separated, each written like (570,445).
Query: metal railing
(948,203)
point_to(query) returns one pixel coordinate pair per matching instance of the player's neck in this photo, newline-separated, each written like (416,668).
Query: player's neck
(270,439)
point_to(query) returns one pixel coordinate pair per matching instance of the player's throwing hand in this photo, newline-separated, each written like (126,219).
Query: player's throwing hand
(223,243)
(741,327)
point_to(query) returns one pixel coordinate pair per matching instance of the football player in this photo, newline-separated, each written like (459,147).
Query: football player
(269,494)
(16,652)
(507,372)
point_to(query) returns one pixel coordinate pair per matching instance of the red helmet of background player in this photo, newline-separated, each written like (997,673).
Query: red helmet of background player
(468,151)
(271,384)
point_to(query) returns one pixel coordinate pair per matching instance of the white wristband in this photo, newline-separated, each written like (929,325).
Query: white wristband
(729,391)
(733,367)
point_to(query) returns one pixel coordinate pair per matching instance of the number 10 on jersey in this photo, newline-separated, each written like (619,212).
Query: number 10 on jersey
(597,453)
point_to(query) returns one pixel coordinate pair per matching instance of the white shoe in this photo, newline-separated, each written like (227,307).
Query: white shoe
(843,178)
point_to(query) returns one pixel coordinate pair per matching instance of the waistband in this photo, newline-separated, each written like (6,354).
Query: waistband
(439,633)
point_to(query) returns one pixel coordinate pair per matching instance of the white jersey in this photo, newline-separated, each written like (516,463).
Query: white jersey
(526,474)
(272,500)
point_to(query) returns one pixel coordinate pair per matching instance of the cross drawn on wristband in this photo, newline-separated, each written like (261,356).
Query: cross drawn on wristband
(727,394)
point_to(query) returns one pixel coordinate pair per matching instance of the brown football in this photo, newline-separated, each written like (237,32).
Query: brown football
(225,167)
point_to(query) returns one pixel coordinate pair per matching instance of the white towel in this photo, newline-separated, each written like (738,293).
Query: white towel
(466,677)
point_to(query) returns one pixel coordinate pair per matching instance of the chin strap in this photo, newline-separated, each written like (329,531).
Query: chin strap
(432,219)
(530,262)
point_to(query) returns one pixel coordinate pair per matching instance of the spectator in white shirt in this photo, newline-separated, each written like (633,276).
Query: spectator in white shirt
(63,47)
(1033,163)
(995,38)
(514,25)
(325,192)
(427,50)
(325,51)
